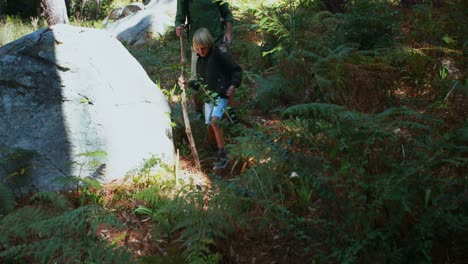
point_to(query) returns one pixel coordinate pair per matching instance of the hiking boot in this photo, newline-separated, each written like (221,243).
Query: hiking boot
(222,160)
(221,164)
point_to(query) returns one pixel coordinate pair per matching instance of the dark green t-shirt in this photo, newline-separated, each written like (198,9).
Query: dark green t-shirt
(204,13)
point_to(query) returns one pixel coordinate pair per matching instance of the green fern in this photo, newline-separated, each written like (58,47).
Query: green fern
(151,195)
(328,72)
(313,110)
(200,225)
(273,92)
(325,79)
(57,234)
(51,198)
(370,31)
(375,167)
(150,172)
(194,216)
(18,223)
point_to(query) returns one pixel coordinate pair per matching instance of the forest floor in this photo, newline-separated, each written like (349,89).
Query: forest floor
(264,244)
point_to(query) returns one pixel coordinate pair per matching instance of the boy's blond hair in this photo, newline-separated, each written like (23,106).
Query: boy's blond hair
(203,39)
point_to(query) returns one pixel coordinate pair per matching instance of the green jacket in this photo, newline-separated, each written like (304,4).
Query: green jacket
(204,13)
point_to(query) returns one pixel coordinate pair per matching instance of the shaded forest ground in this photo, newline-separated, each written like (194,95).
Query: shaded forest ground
(351,147)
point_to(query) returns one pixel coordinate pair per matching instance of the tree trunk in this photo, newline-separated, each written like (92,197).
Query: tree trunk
(2,11)
(55,11)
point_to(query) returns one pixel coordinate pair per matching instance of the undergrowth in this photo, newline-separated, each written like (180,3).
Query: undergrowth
(351,148)
(48,229)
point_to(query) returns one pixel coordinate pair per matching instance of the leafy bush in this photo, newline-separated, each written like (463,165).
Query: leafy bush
(380,183)
(385,195)
(22,8)
(89,9)
(371,24)
(430,26)
(273,92)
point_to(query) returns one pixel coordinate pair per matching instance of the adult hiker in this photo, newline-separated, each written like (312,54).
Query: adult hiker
(214,15)
(218,73)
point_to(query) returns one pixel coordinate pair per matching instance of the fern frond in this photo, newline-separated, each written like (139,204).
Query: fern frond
(52,198)
(31,232)
(404,117)
(141,209)
(311,110)
(62,250)
(88,182)
(323,83)
(67,182)
(42,250)
(101,252)
(408,113)
(312,56)
(68,223)
(342,51)
(150,195)
(18,224)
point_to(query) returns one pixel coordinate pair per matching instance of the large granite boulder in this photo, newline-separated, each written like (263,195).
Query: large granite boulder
(134,26)
(121,12)
(74,102)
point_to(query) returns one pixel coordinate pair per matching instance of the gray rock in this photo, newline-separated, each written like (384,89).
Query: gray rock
(139,27)
(132,8)
(114,14)
(121,12)
(74,102)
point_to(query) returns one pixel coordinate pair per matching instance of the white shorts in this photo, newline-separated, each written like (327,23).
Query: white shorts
(215,110)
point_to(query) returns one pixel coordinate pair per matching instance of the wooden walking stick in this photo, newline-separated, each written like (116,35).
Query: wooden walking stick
(188,129)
